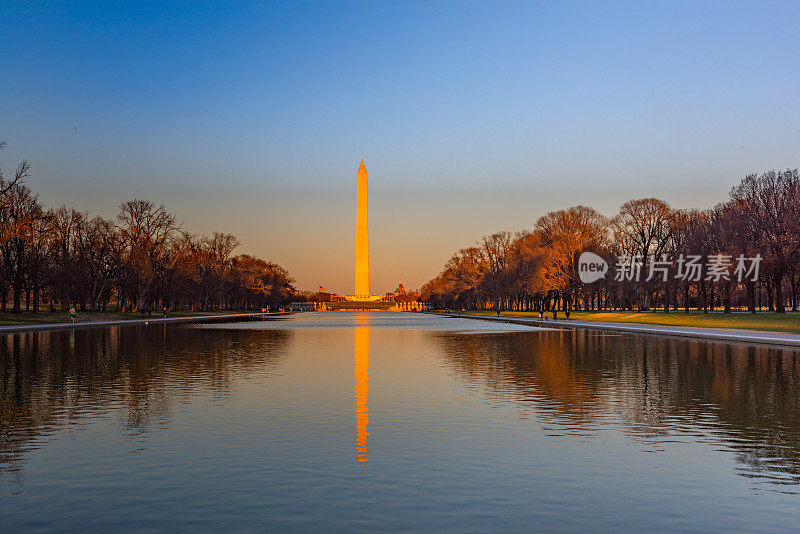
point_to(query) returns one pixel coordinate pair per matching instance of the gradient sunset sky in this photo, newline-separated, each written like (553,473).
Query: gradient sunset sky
(471,117)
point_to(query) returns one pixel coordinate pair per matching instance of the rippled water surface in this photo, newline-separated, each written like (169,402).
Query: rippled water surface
(391,421)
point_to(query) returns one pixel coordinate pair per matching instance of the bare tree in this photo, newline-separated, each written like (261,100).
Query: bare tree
(18,226)
(771,202)
(148,233)
(496,250)
(99,252)
(567,233)
(65,225)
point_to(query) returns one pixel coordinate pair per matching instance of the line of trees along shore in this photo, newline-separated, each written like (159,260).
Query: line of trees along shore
(142,259)
(537,269)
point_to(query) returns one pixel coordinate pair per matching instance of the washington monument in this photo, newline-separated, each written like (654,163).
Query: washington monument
(362,235)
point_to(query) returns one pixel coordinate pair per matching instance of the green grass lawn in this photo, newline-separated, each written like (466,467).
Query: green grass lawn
(788,322)
(46,317)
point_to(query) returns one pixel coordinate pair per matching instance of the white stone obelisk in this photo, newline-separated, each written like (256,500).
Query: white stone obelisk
(362,234)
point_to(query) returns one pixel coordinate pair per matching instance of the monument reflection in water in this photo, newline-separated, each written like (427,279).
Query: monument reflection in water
(362,394)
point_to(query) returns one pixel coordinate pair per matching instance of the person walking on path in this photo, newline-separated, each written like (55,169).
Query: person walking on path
(540,315)
(545,315)
(498,312)
(555,315)
(566,312)
(72,313)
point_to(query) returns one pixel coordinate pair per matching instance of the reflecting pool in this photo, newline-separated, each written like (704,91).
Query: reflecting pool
(394,421)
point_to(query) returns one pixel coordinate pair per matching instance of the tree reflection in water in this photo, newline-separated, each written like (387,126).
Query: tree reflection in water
(744,398)
(49,380)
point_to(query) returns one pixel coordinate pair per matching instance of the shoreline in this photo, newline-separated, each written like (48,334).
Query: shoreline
(13,329)
(693,332)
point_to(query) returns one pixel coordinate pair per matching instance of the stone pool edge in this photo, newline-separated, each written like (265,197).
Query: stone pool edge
(708,334)
(13,329)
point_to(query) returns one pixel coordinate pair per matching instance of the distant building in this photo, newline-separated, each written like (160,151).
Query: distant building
(304,306)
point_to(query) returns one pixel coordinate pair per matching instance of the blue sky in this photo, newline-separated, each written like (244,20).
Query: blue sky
(471,117)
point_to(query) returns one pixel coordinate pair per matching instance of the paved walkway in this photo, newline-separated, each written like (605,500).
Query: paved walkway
(94,324)
(721,334)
